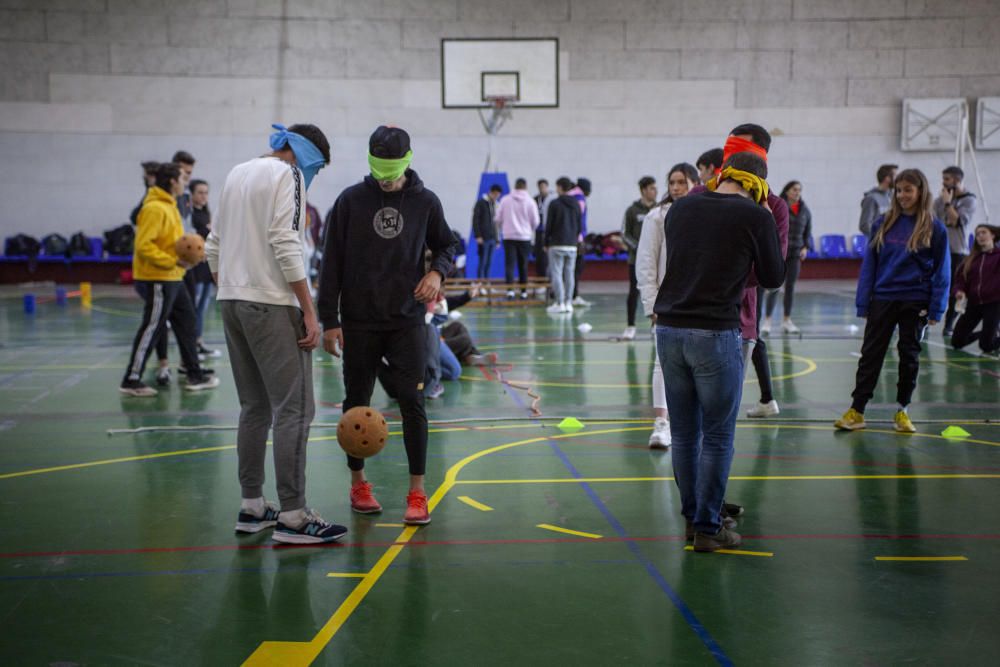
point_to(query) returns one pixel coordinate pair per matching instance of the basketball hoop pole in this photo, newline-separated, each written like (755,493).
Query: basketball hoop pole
(963,145)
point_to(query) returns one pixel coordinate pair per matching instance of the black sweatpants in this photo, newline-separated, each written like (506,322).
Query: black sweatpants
(632,302)
(516,252)
(405,351)
(578,269)
(761,362)
(950,315)
(165,301)
(141,288)
(965,333)
(792,267)
(883,319)
(541,257)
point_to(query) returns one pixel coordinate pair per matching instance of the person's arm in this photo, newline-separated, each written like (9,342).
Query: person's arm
(869,211)
(551,215)
(442,244)
(458,300)
(806,232)
(940,209)
(769,257)
(963,210)
(866,279)
(332,276)
(960,284)
(631,229)
(941,280)
(153,223)
(283,230)
(479,214)
(647,260)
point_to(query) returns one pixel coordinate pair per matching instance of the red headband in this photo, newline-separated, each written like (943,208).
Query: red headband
(738,145)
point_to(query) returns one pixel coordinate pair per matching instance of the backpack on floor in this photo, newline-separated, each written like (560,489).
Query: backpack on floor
(120,240)
(79,245)
(55,245)
(21,245)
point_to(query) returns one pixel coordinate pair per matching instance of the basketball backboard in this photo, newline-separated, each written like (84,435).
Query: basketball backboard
(933,124)
(988,123)
(475,71)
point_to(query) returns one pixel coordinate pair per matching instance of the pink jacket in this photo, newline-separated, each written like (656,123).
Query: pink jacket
(518,216)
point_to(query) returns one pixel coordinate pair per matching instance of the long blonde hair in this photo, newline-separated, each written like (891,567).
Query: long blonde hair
(924,227)
(976,250)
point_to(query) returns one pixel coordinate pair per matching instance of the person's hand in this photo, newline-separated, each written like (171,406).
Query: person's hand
(475,290)
(932,322)
(946,196)
(428,288)
(803,252)
(959,295)
(313,333)
(479,240)
(184,265)
(333,341)
(766,205)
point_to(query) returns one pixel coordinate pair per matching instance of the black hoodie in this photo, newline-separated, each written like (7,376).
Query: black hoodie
(373,257)
(563,222)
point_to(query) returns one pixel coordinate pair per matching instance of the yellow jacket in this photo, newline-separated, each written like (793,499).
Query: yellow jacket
(157,229)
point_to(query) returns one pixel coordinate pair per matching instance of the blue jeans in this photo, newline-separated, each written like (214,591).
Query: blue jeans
(485,257)
(703,377)
(203,297)
(451,368)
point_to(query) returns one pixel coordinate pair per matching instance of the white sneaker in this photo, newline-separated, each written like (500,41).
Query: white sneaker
(580,301)
(768,409)
(660,437)
(554,308)
(204,383)
(765,327)
(567,307)
(629,333)
(789,327)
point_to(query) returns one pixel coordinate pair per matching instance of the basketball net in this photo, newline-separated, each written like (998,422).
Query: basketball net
(501,107)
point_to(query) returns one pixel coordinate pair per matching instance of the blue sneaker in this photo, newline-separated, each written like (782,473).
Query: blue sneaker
(314,530)
(248,522)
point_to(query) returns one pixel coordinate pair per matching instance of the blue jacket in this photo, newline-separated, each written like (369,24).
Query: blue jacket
(895,274)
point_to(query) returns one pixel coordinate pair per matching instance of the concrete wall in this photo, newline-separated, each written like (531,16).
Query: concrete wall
(92,87)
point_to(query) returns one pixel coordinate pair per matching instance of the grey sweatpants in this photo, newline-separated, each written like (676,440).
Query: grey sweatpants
(273,378)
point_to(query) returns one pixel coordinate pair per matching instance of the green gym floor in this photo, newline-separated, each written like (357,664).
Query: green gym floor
(546,546)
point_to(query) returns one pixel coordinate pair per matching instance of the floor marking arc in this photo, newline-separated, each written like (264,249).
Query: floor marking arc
(475,503)
(577,533)
(347,575)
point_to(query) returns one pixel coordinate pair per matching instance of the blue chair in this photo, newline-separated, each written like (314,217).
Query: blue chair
(859,242)
(833,246)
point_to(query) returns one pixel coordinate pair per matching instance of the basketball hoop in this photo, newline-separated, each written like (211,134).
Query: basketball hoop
(502,110)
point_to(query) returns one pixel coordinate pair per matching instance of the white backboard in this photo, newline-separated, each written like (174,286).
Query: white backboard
(931,124)
(524,68)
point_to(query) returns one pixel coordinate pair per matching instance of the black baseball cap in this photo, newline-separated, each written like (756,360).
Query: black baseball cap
(389,142)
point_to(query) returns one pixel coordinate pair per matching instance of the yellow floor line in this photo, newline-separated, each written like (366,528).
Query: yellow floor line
(578,533)
(734,478)
(347,575)
(921,558)
(738,552)
(123,459)
(390,525)
(474,503)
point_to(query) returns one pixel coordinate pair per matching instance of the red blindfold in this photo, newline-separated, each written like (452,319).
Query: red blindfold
(738,145)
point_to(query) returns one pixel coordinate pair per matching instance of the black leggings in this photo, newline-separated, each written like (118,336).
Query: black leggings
(950,314)
(792,266)
(989,315)
(883,318)
(633,296)
(405,350)
(761,363)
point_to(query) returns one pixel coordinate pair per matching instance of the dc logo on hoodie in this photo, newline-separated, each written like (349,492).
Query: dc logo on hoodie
(388,223)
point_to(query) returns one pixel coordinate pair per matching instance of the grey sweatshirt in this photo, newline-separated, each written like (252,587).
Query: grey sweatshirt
(875,203)
(958,235)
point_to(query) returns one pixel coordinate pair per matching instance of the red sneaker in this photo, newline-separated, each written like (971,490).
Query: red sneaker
(416,509)
(362,500)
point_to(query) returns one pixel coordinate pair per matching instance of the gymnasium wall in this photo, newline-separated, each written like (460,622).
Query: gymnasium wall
(90,88)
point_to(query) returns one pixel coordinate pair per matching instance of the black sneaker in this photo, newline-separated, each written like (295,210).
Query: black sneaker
(163,377)
(208,352)
(946,332)
(204,371)
(201,383)
(728,523)
(724,539)
(248,522)
(731,509)
(136,388)
(314,530)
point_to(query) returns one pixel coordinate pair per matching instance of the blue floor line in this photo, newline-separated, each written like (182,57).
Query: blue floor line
(675,598)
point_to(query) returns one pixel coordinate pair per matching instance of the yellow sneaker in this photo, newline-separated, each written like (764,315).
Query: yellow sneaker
(851,421)
(902,422)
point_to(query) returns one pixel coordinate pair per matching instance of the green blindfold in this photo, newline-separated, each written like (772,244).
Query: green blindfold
(384,169)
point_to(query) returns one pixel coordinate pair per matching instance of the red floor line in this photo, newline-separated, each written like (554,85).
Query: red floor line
(471,542)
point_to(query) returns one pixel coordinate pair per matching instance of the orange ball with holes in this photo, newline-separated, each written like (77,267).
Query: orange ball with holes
(362,432)
(190,249)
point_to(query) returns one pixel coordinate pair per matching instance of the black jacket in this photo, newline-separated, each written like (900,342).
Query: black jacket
(373,255)
(799,229)
(563,222)
(483,226)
